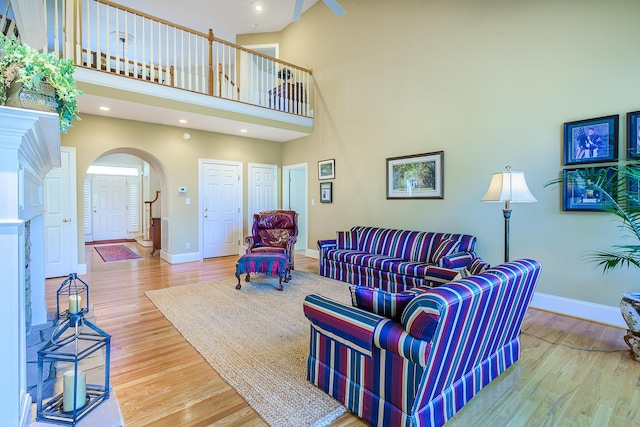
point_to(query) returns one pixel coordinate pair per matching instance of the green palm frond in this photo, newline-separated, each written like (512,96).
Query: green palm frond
(620,189)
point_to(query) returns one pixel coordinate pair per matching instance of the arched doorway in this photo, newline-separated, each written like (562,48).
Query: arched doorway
(117,188)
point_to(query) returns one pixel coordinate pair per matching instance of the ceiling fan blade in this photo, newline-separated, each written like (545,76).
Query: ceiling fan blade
(335,7)
(297,10)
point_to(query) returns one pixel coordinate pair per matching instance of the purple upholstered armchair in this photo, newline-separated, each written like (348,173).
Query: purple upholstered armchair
(274,231)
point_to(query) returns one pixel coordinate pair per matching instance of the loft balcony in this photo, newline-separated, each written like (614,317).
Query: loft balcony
(153,70)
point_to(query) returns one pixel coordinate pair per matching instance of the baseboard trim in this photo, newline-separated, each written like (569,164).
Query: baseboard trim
(312,253)
(180,258)
(81,269)
(582,309)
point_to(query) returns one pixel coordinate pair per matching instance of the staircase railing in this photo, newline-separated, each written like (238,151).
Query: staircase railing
(115,39)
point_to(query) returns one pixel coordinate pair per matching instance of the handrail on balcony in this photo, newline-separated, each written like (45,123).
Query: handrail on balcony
(116,39)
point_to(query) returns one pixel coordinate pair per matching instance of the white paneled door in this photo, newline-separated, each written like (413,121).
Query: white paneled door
(60,227)
(109,207)
(220,208)
(263,192)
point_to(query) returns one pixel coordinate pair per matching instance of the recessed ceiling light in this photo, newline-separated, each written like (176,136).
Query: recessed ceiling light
(104,108)
(243,130)
(182,121)
(259,7)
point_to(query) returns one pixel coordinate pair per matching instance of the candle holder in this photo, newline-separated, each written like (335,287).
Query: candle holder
(72,298)
(73,340)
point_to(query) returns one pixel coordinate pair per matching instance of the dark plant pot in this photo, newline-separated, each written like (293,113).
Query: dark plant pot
(630,309)
(41,97)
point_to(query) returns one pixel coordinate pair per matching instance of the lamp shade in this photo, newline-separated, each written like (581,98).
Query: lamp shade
(508,186)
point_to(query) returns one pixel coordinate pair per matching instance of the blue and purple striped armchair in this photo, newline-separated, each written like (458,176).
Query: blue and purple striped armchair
(422,366)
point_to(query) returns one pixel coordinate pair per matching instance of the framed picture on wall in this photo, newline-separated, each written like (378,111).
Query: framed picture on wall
(591,141)
(327,169)
(633,141)
(579,193)
(419,176)
(326,192)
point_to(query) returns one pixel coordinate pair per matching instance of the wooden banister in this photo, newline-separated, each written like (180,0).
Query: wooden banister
(151,202)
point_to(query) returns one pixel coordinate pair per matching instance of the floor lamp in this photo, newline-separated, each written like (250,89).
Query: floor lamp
(508,186)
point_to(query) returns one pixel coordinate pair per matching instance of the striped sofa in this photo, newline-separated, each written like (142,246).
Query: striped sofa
(419,366)
(394,260)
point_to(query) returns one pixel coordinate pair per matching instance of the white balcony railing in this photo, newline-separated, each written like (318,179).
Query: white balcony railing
(112,38)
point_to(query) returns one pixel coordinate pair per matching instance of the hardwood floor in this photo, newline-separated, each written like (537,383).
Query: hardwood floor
(160,380)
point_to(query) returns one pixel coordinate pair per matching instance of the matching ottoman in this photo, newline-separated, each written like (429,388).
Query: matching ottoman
(275,264)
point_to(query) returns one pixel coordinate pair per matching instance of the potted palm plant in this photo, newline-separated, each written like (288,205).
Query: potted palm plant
(618,190)
(29,77)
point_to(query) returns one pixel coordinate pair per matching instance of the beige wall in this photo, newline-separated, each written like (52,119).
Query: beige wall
(491,83)
(170,155)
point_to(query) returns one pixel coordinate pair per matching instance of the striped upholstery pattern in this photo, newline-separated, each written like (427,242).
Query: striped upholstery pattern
(381,302)
(399,379)
(269,263)
(347,240)
(394,260)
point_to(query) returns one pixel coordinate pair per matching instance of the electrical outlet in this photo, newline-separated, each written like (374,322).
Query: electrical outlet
(188,245)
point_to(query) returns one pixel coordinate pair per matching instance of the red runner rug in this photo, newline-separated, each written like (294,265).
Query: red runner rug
(113,253)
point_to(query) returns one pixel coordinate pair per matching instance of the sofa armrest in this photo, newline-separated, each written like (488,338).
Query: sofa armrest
(324,245)
(439,275)
(348,325)
(391,336)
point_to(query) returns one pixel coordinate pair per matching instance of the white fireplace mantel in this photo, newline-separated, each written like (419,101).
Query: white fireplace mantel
(29,148)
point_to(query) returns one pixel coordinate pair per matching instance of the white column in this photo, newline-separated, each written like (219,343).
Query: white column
(29,148)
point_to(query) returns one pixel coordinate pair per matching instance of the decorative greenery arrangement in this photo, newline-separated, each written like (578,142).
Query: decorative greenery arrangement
(621,187)
(23,64)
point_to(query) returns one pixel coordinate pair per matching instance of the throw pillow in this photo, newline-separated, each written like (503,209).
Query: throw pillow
(347,240)
(379,301)
(476,266)
(444,248)
(420,318)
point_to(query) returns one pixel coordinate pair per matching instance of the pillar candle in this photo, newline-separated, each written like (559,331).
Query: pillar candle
(75,303)
(67,390)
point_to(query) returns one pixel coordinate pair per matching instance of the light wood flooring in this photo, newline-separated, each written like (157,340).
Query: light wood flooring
(160,380)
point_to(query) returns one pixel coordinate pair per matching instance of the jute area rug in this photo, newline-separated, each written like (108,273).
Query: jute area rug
(257,339)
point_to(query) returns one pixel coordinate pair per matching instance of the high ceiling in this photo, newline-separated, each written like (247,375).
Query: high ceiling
(226,18)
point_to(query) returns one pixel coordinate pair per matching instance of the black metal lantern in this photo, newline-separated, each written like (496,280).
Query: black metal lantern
(72,297)
(73,341)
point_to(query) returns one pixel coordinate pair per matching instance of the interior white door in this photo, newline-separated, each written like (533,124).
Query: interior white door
(263,194)
(295,198)
(109,207)
(60,228)
(221,214)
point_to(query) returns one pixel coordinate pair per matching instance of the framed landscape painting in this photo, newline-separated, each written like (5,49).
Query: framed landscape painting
(591,141)
(327,169)
(419,176)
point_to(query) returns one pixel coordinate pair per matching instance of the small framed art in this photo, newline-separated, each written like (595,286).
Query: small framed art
(326,192)
(580,194)
(633,141)
(591,141)
(327,169)
(419,176)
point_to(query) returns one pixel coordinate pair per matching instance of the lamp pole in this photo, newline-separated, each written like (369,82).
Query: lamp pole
(507,216)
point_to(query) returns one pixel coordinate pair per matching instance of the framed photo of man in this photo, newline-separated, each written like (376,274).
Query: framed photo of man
(591,141)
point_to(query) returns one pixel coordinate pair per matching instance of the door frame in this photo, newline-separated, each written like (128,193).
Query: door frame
(201,163)
(286,196)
